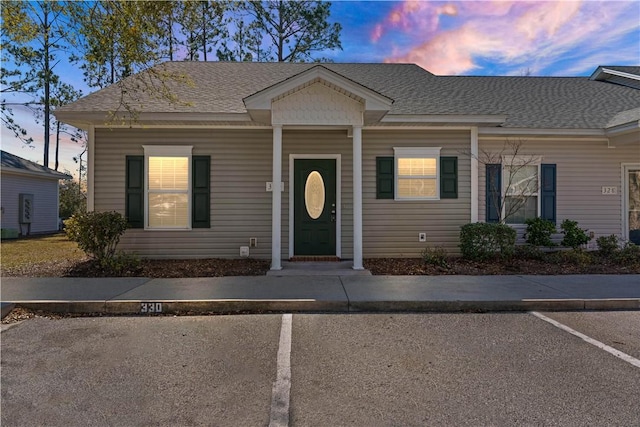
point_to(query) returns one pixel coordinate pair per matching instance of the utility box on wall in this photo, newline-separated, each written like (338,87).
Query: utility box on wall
(26,209)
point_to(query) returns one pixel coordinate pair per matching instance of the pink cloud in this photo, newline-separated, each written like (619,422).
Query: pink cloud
(450,52)
(515,31)
(411,16)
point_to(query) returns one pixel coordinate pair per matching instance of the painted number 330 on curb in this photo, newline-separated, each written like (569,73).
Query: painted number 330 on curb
(151,307)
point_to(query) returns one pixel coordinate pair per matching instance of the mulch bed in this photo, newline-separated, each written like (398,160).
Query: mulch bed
(416,267)
(380,266)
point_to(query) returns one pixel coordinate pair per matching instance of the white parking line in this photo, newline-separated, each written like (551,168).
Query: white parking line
(281,387)
(617,353)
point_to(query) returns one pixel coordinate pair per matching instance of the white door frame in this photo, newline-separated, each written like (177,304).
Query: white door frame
(338,159)
(626,168)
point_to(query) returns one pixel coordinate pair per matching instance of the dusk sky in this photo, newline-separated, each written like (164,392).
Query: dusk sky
(539,38)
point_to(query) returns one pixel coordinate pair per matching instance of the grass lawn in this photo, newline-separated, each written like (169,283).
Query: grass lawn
(20,254)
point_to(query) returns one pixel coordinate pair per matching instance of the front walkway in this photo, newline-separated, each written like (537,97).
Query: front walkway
(258,294)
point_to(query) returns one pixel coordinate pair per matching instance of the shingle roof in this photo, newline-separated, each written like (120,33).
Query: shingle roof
(529,102)
(625,117)
(14,162)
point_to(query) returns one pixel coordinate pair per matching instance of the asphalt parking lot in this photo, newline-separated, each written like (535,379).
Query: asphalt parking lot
(358,369)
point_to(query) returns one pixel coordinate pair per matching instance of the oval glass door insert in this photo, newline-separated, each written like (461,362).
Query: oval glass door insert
(314,195)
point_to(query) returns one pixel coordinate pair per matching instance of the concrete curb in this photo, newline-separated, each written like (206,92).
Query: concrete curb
(135,307)
(5,308)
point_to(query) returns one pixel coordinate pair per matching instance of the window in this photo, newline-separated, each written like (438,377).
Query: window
(538,181)
(417,173)
(521,187)
(168,196)
(521,196)
(168,192)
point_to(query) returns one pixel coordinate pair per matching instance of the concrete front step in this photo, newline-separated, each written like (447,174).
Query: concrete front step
(318,268)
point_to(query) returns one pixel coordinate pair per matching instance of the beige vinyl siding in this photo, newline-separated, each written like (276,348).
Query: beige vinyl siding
(583,168)
(320,142)
(240,205)
(390,227)
(45,202)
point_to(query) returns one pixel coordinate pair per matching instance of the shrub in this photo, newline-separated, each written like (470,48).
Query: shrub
(120,264)
(435,256)
(529,252)
(480,241)
(607,245)
(574,236)
(577,257)
(539,232)
(97,233)
(628,256)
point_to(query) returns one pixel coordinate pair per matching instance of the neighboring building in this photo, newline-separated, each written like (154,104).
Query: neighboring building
(356,160)
(30,200)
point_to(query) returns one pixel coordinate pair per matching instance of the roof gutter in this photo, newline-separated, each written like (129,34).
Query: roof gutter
(491,131)
(623,128)
(83,120)
(51,175)
(600,74)
(472,120)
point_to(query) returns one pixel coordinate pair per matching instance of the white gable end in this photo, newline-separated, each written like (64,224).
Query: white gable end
(317,104)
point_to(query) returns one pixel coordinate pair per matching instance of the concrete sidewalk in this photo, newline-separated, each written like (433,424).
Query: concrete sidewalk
(257,294)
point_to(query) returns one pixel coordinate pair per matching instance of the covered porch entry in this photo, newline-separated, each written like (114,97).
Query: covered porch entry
(316,100)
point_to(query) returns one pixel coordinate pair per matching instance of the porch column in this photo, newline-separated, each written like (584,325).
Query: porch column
(276,198)
(357,198)
(474,174)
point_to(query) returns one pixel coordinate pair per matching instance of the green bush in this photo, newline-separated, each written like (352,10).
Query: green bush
(577,257)
(97,233)
(480,241)
(120,264)
(529,252)
(628,256)
(539,232)
(607,245)
(435,256)
(574,236)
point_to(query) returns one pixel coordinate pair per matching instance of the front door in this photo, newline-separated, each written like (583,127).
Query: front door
(632,196)
(314,201)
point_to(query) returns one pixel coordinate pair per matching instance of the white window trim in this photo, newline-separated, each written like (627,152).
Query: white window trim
(167,151)
(522,161)
(625,169)
(416,153)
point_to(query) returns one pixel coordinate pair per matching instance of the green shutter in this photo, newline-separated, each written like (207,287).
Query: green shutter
(493,192)
(384,178)
(448,177)
(134,202)
(201,192)
(548,192)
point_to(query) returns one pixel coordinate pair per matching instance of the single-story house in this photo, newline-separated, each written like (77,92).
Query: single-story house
(354,161)
(30,197)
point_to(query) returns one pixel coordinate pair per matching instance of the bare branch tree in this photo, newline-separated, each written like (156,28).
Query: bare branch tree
(514,185)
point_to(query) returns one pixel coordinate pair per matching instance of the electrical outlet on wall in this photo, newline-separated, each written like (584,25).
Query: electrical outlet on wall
(422,237)
(253,242)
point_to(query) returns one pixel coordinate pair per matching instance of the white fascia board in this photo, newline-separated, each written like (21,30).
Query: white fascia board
(491,131)
(46,175)
(598,75)
(444,118)
(101,118)
(262,100)
(622,129)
